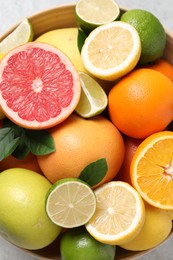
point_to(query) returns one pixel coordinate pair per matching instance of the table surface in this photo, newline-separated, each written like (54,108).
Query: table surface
(11,12)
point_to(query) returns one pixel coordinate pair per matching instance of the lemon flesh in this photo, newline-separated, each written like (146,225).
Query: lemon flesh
(111,51)
(120,213)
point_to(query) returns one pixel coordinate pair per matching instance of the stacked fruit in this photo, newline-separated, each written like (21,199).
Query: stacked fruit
(85,140)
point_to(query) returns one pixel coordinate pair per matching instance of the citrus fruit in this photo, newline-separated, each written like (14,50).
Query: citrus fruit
(93,99)
(78,244)
(164,67)
(70,203)
(156,228)
(65,39)
(29,162)
(141,103)
(93,13)
(131,145)
(151,33)
(1,56)
(39,86)
(23,219)
(105,52)
(119,215)
(79,142)
(152,167)
(22,34)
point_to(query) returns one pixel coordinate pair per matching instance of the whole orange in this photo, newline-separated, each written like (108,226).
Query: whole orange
(164,67)
(29,162)
(131,145)
(80,142)
(141,103)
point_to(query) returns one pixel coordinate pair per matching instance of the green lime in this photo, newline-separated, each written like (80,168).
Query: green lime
(22,34)
(78,244)
(93,99)
(93,13)
(151,32)
(70,203)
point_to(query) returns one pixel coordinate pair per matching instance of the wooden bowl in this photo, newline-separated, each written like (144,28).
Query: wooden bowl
(62,17)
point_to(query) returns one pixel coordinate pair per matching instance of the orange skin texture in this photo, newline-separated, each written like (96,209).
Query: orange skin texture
(164,67)
(131,144)
(29,162)
(141,103)
(80,142)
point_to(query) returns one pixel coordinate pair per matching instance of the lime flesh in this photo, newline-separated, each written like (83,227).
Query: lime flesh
(22,34)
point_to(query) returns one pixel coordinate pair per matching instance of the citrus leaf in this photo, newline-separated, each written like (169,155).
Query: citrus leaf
(8,142)
(40,142)
(94,172)
(21,151)
(81,39)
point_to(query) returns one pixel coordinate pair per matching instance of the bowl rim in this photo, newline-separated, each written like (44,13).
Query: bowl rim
(44,12)
(61,6)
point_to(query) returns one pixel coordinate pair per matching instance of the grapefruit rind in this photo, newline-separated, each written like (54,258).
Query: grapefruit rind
(65,85)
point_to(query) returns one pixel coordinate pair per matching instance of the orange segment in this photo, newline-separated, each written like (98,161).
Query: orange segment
(152,169)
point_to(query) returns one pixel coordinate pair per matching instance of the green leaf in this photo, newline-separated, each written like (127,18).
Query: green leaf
(81,39)
(19,141)
(39,142)
(94,172)
(21,151)
(8,142)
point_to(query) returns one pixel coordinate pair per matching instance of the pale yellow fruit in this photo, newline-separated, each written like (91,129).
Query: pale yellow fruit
(170,214)
(119,215)
(65,40)
(156,228)
(23,218)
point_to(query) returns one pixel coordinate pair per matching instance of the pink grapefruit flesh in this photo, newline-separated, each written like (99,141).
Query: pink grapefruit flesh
(39,86)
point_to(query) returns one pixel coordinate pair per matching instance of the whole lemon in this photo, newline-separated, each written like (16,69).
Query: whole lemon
(66,40)
(157,227)
(23,219)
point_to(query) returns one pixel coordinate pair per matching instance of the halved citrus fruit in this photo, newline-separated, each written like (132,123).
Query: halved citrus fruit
(152,169)
(70,203)
(93,13)
(119,215)
(39,86)
(22,34)
(107,55)
(93,99)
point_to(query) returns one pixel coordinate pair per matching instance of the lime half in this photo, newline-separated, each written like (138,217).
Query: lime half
(93,13)
(22,34)
(70,203)
(93,99)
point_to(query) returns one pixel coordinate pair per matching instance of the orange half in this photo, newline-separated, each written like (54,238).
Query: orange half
(151,169)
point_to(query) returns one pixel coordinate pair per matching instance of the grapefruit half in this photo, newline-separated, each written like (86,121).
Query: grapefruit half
(39,86)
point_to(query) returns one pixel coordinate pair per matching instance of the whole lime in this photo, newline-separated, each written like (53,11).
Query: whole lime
(151,33)
(77,244)
(23,219)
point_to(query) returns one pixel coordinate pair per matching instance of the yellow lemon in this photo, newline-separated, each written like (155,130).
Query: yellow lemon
(156,228)
(66,40)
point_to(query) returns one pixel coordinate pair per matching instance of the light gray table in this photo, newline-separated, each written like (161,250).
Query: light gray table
(11,12)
